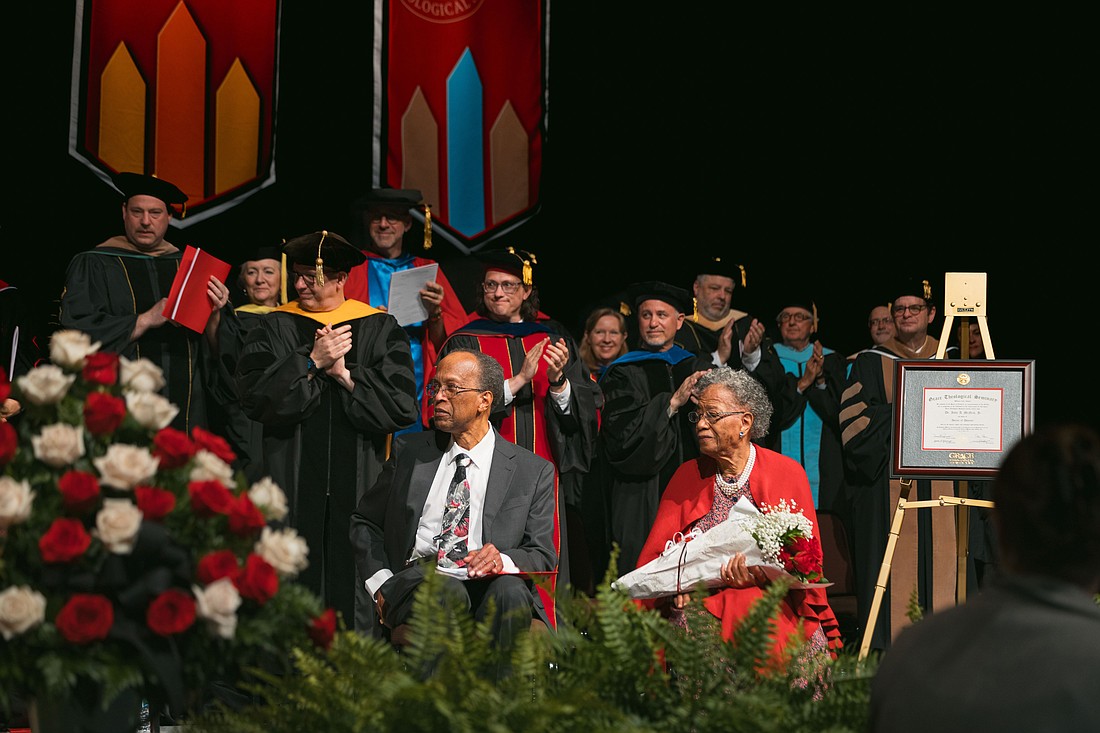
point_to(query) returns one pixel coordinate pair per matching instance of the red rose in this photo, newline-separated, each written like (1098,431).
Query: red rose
(172,448)
(805,556)
(172,612)
(9,441)
(209,498)
(79,490)
(323,628)
(214,443)
(85,618)
(5,385)
(64,541)
(217,565)
(103,413)
(101,368)
(257,580)
(154,503)
(244,517)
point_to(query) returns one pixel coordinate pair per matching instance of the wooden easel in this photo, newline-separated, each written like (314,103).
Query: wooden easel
(964,296)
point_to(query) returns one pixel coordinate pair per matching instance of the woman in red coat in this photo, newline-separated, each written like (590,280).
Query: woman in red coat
(732,409)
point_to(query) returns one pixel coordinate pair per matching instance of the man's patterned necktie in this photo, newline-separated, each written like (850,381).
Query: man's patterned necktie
(456,518)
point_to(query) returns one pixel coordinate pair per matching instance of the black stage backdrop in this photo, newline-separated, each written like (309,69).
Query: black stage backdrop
(828,151)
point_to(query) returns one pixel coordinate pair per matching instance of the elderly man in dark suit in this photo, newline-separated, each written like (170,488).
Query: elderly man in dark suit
(496,496)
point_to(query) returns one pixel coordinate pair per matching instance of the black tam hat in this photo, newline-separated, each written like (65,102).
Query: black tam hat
(264,252)
(324,250)
(137,184)
(516,261)
(678,298)
(723,267)
(914,285)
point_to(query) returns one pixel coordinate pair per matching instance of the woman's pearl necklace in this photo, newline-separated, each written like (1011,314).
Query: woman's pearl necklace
(729,488)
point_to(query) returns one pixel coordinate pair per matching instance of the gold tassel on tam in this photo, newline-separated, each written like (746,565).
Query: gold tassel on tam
(282,284)
(742,268)
(427,227)
(527,271)
(319,276)
(695,310)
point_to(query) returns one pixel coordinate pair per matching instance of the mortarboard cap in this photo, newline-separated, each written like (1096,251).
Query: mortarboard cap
(723,267)
(678,298)
(512,260)
(137,184)
(391,198)
(324,250)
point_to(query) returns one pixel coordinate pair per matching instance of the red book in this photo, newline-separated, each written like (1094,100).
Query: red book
(188,304)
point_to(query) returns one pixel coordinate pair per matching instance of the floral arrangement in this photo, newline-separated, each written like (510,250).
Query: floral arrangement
(785,537)
(131,554)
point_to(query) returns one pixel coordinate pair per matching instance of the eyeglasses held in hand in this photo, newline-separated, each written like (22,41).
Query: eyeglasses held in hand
(712,416)
(449,390)
(912,309)
(796,317)
(508,287)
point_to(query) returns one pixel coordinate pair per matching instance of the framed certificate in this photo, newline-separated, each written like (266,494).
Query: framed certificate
(957,419)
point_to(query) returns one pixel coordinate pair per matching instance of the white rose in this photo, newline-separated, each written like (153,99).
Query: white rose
(59,444)
(21,608)
(16,500)
(46,384)
(117,525)
(69,348)
(124,466)
(208,467)
(140,375)
(284,550)
(218,604)
(270,499)
(151,410)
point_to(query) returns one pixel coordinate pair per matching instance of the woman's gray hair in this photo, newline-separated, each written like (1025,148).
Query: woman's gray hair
(746,390)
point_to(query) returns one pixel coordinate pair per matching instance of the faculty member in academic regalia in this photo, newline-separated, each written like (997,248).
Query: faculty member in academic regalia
(331,380)
(116,293)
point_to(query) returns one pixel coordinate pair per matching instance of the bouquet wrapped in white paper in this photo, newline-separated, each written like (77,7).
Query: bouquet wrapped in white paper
(698,557)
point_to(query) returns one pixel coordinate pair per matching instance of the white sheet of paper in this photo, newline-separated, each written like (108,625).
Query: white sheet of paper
(405,304)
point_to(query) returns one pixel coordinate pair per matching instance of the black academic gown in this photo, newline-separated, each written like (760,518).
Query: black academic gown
(323,445)
(106,289)
(228,419)
(640,444)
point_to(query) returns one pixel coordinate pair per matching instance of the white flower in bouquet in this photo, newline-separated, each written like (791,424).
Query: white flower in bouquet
(140,375)
(58,444)
(208,467)
(271,500)
(69,348)
(217,603)
(45,385)
(16,501)
(124,466)
(284,550)
(117,525)
(21,608)
(151,410)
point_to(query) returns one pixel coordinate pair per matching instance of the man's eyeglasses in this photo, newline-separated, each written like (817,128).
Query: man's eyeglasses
(712,416)
(912,309)
(449,390)
(879,322)
(508,287)
(796,317)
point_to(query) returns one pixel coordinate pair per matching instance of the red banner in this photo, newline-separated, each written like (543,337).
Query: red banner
(183,89)
(461,92)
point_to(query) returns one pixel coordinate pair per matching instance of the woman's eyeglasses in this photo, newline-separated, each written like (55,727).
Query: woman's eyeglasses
(712,416)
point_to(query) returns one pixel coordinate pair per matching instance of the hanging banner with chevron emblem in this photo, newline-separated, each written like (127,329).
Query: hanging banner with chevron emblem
(460,110)
(184,90)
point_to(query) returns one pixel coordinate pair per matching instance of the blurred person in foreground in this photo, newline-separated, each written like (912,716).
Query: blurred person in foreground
(1035,629)
(731,411)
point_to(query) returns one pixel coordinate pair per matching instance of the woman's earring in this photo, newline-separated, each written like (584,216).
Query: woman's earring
(741,434)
